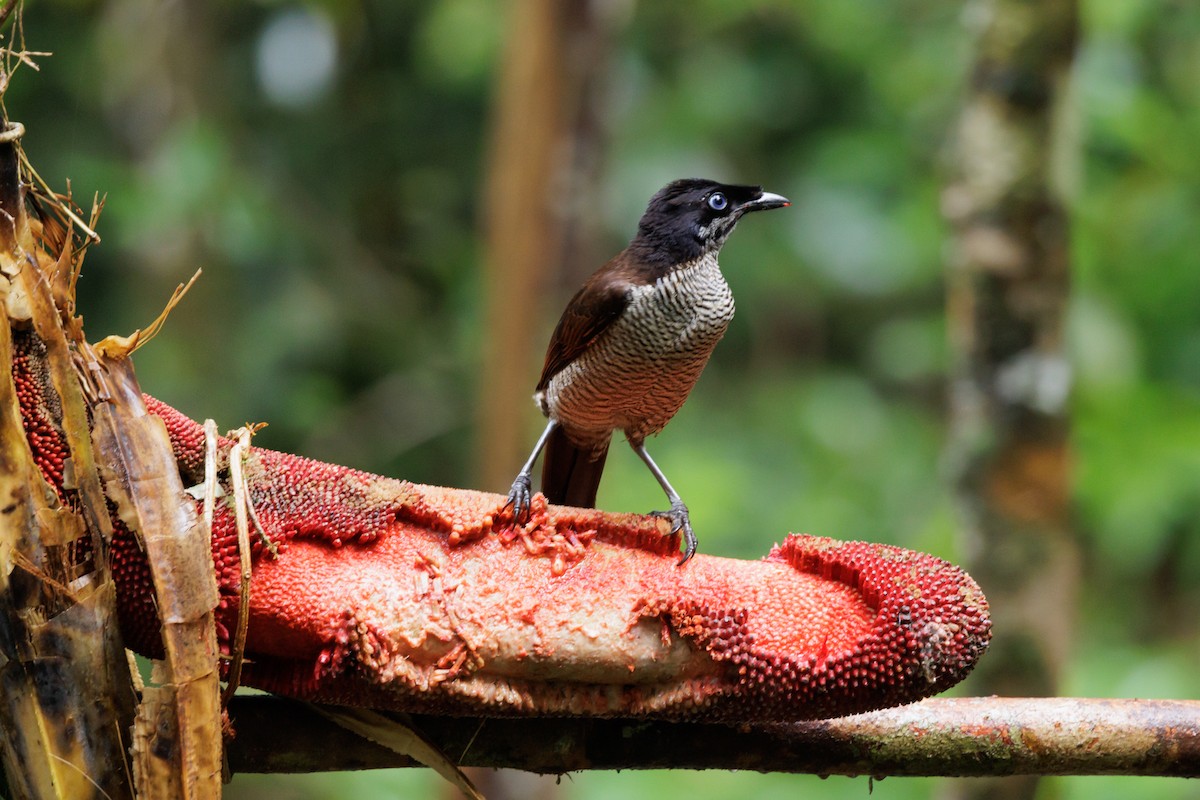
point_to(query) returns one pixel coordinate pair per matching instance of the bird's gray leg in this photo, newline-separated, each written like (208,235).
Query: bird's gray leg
(520,495)
(678,514)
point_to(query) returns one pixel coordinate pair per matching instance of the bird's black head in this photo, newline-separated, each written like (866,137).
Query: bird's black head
(692,216)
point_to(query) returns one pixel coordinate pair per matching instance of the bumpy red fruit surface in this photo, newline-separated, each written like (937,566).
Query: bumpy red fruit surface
(394,595)
(390,594)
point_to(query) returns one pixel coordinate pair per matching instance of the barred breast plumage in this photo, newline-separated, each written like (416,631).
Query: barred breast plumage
(632,342)
(640,372)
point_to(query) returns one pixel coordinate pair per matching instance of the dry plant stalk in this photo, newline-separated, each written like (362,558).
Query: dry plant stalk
(241,506)
(177,737)
(58,616)
(66,693)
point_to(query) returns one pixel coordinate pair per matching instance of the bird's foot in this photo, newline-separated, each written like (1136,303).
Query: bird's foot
(520,497)
(680,522)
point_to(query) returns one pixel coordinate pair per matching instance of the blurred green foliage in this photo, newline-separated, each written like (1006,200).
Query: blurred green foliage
(323,162)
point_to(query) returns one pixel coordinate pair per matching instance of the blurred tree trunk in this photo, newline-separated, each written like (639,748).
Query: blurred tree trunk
(1008,287)
(544,166)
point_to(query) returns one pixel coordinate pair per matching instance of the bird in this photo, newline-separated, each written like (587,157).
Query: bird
(632,343)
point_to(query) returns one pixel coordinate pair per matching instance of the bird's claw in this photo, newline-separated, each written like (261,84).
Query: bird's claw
(680,522)
(520,497)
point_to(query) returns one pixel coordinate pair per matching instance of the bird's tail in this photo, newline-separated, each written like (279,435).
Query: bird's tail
(570,474)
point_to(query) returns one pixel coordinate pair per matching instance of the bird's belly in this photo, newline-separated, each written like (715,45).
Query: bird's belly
(639,373)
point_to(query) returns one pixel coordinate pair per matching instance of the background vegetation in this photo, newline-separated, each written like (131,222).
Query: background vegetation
(324,164)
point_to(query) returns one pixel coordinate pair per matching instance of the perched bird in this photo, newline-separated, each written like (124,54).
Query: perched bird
(632,342)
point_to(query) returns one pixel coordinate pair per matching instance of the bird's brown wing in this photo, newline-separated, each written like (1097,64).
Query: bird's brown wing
(590,313)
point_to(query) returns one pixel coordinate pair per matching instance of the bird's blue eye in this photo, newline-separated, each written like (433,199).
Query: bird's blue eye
(717,201)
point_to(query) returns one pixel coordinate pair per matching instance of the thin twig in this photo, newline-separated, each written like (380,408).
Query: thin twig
(210,473)
(27,169)
(72,764)
(272,548)
(241,500)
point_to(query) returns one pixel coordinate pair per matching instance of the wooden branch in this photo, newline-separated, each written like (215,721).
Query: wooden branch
(973,736)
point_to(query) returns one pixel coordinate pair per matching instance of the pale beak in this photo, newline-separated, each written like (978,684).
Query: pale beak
(766,200)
